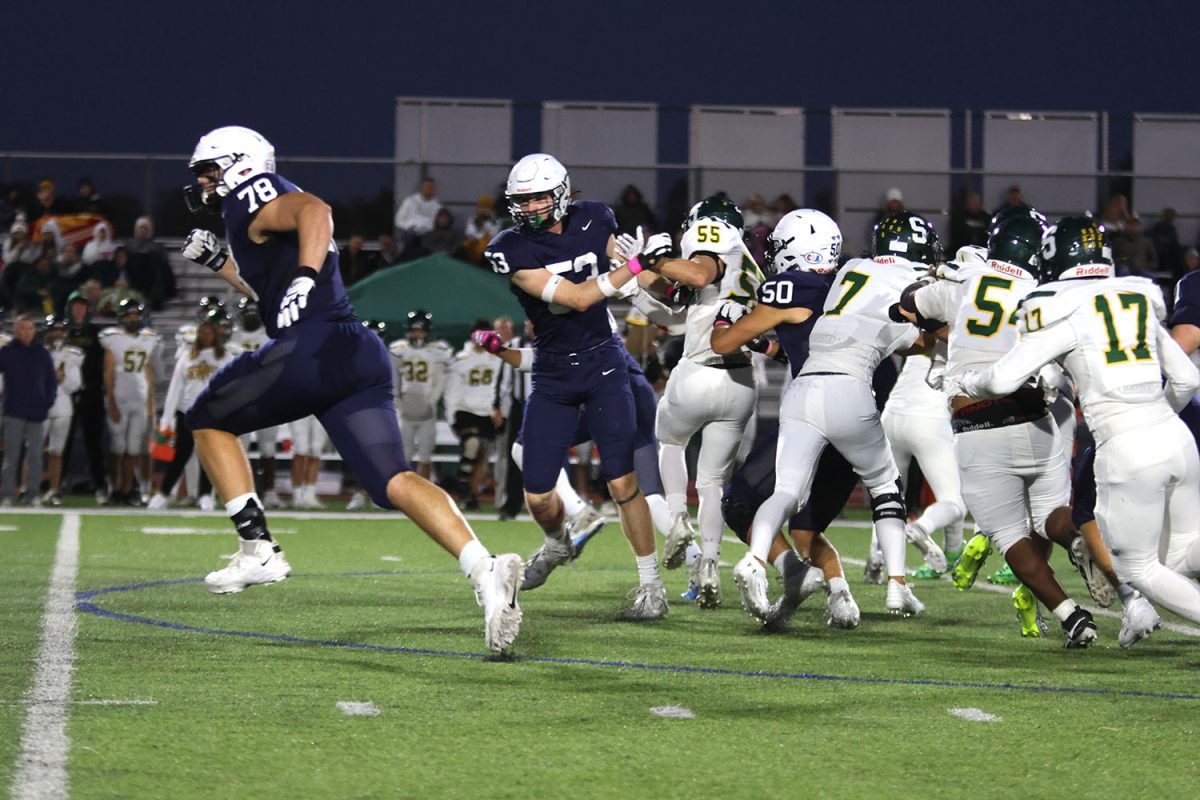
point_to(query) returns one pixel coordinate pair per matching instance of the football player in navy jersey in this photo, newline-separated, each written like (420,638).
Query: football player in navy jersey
(320,361)
(803,251)
(557,256)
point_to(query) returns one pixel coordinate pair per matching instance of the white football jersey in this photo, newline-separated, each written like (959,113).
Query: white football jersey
(191,375)
(186,336)
(855,332)
(914,394)
(420,376)
(68,363)
(131,353)
(740,282)
(980,306)
(1116,360)
(471,383)
(241,341)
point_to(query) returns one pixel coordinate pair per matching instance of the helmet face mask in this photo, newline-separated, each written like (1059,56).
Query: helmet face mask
(248,315)
(534,180)
(906,235)
(805,240)
(1075,247)
(377,327)
(420,322)
(224,159)
(129,314)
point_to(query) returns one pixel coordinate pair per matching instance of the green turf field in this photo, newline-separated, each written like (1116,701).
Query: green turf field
(376,614)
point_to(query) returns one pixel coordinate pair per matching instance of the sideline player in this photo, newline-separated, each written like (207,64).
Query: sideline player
(420,379)
(1107,331)
(129,393)
(557,256)
(320,360)
(470,390)
(68,365)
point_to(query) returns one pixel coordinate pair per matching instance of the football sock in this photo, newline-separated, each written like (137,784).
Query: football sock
(712,524)
(572,502)
(793,570)
(940,515)
(660,513)
(837,585)
(770,516)
(952,536)
(694,554)
(469,557)
(890,532)
(672,464)
(1125,592)
(647,569)
(1065,609)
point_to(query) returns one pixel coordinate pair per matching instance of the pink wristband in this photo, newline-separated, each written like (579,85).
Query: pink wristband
(634,266)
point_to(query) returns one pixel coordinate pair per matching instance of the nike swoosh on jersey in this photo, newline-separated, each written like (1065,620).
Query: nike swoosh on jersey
(589,224)
(605,372)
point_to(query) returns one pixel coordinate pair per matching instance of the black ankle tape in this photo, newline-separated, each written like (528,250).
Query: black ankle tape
(251,523)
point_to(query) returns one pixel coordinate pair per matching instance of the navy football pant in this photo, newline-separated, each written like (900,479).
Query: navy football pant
(338,371)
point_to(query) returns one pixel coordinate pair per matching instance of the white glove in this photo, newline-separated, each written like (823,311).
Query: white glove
(204,248)
(729,313)
(656,248)
(295,299)
(952,386)
(629,247)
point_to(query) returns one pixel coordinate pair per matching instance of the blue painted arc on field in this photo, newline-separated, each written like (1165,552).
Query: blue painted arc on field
(83,603)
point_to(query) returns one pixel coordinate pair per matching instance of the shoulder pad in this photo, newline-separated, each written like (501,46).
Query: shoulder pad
(1146,286)
(1042,308)
(710,236)
(148,332)
(441,344)
(463,355)
(398,347)
(72,350)
(108,333)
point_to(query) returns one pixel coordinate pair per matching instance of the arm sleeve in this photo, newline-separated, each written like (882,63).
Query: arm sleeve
(1182,377)
(1016,366)
(657,312)
(938,301)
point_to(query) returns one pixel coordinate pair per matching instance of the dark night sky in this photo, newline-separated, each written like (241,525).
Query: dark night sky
(319,78)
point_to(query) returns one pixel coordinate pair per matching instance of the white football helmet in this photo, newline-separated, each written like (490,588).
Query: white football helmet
(537,174)
(238,152)
(806,240)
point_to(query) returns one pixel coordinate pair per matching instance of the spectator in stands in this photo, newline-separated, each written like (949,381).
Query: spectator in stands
(1133,250)
(1165,238)
(480,229)
(110,299)
(30,385)
(88,200)
(354,261)
(91,291)
(445,236)
(69,265)
(34,292)
(99,255)
(48,201)
(16,255)
(389,252)
(148,270)
(1013,198)
(1115,214)
(633,211)
(782,206)
(416,214)
(1191,260)
(969,224)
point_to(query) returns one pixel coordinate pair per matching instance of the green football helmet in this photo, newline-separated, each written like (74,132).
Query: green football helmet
(1075,247)
(1018,241)
(1016,212)
(906,235)
(719,206)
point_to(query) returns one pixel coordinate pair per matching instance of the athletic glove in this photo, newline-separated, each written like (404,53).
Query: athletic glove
(729,313)
(656,248)
(680,295)
(488,340)
(295,299)
(203,247)
(761,344)
(629,247)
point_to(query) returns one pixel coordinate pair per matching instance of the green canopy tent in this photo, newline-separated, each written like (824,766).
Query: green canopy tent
(455,292)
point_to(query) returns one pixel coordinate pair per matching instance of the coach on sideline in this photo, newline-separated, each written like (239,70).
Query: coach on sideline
(30,383)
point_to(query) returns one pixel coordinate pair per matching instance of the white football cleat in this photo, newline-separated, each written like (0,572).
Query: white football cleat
(1138,621)
(935,557)
(874,571)
(708,583)
(751,578)
(587,523)
(675,547)
(554,553)
(496,581)
(158,502)
(257,563)
(901,600)
(271,499)
(649,603)
(357,500)
(1097,583)
(843,611)
(207,503)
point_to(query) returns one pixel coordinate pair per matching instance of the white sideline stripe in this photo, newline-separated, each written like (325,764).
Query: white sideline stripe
(92,703)
(9,529)
(355,709)
(273,514)
(41,767)
(974,715)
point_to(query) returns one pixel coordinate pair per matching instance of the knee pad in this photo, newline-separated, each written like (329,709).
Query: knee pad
(888,503)
(471,448)
(738,516)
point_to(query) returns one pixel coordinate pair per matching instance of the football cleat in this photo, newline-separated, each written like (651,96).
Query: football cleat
(258,562)
(496,581)
(924,573)
(554,553)
(207,503)
(875,570)
(1097,583)
(708,583)
(678,539)
(966,568)
(583,526)
(1080,628)
(357,500)
(785,607)
(751,578)
(934,557)
(1004,577)
(1027,612)
(901,601)
(649,602)
(693,590)
(158,502)
(843,611)
(1138,621)
(271,499)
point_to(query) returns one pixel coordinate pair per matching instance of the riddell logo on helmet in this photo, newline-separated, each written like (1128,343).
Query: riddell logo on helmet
(1089,271)
(886,260)
(1008,269)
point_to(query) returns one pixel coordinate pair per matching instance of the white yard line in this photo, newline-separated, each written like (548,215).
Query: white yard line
(41,766)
